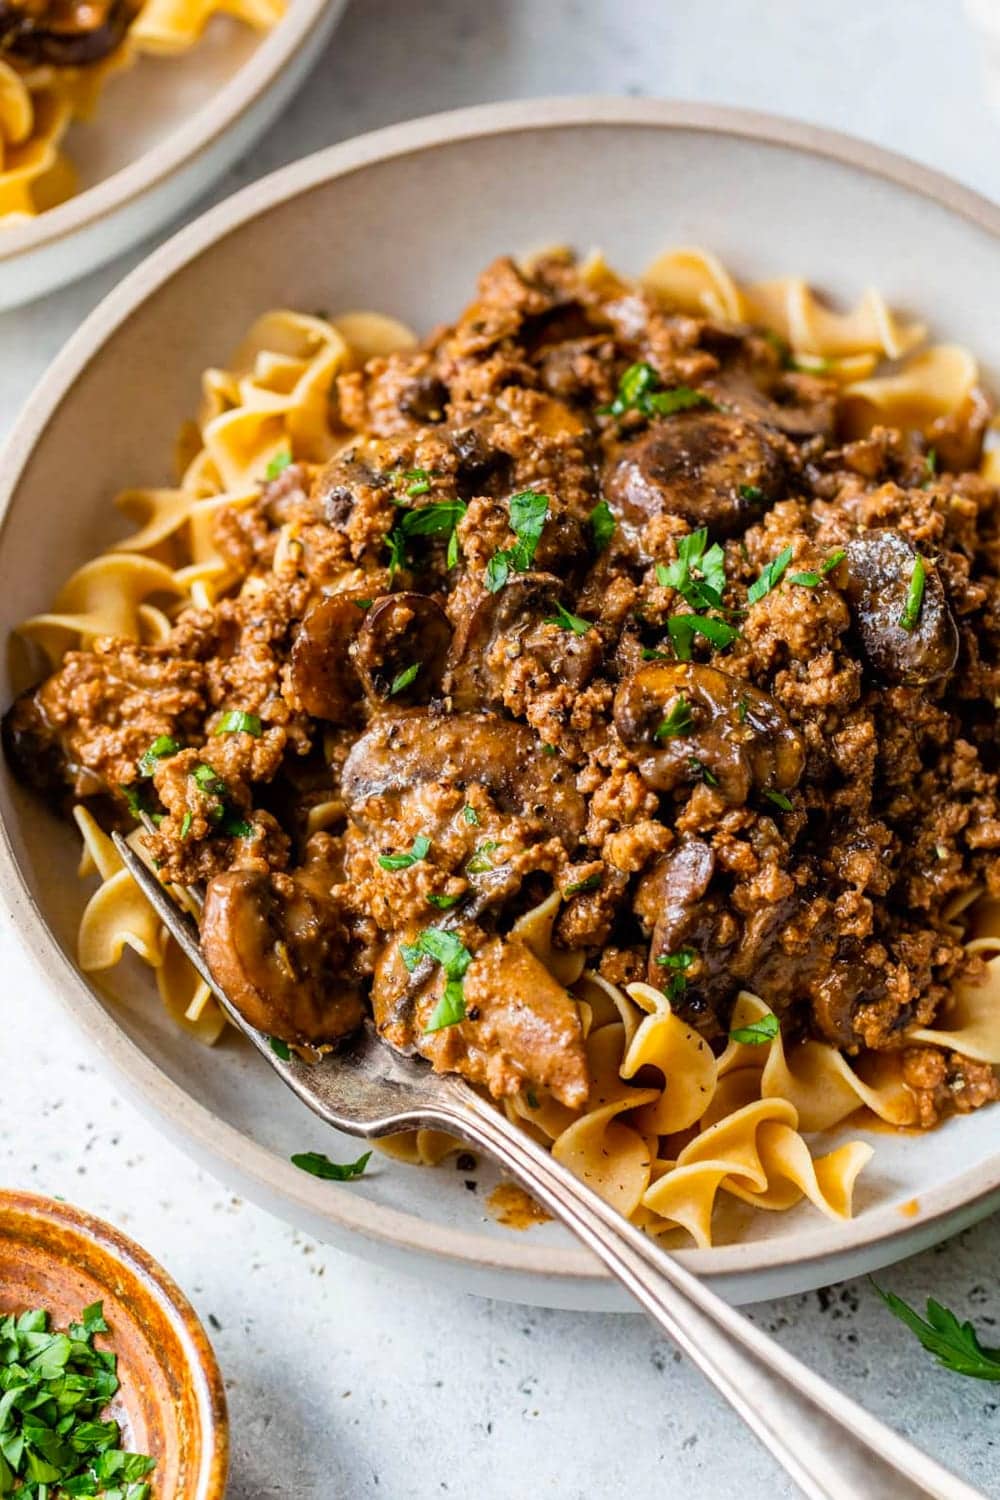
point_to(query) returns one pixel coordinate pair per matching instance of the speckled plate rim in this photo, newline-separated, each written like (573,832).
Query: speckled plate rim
(269,60)
(758,1268)
(120,1248)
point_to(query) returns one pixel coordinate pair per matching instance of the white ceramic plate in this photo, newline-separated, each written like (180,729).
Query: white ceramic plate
(402,220)
(163,132)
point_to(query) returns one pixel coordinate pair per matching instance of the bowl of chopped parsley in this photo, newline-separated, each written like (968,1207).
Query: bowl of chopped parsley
(108,1384)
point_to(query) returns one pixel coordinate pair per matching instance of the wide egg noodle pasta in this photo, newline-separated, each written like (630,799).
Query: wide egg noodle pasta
(37,104)
(670,1131)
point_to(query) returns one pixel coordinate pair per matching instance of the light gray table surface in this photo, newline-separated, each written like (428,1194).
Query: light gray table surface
(344,1381)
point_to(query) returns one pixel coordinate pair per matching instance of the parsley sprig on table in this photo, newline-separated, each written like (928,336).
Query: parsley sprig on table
(954,1344)
(54,1386)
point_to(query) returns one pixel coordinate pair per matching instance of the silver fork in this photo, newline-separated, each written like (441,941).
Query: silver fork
(831,1447)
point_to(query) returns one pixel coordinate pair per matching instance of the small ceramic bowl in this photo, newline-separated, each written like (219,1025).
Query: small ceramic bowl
(171,1404)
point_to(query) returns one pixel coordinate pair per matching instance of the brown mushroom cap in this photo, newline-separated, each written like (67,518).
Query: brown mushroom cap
(73,33)
(510,624)
(739,734)
(674,900)
(879,569)
(322,676)
(713,468)
(401,751)
(401,631)
(278,951)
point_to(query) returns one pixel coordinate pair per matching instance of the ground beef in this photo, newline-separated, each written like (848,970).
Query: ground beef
(795,794)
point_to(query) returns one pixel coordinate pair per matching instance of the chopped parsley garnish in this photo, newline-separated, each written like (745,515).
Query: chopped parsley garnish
(930,467)
(419,850)
(163,746)
(699,576)
(699,769)
(531,1098)
(186,822)
(137,798)
(234,825)
(742,709)
(677,722)
(55,1385)
(763,1030)
(279,463)
(228,819)
(678,963)
(567,621)
(648,654)
(417,481)
(529,512)
(404,679)
(362,603)
(450,952)
(955,1345)
(480,863)
(833,561)
(752,493)
(470,815)
(780,800)
(807,580)
(683,628)
(771,576)
(238,722)
(589,883)
(318,1165)
(602,524)
(437,519)
(443,903)
(279,1048)
(549,750)
(639,390)
(914,595)
(209,780)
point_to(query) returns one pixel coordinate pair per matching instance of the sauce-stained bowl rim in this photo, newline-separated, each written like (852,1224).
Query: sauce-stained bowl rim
(57,1231)
(743,1270)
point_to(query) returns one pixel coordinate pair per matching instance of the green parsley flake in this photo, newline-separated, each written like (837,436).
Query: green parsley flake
(751,493)
(238,722)
(279,463)
(529,512)
(678,721)
(443,903)
(833,561)
(780,800)
(446,949)
(639,390)
(683,628)
(318,1165)
(954,1344)
(698,575)
(770,578)
(763,1030)
(648,654)
(567,621)
(362,603)
(807,580)
(699,769)
(404,679)
(186,822)
(602,525)
(163,746)
(56,1386)
(279,1048)
(470,815)
(589,883)
(914,595)
(678,963)
(480,863)
(419,850)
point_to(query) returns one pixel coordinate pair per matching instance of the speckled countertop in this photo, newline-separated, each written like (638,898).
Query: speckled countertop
(346,1382)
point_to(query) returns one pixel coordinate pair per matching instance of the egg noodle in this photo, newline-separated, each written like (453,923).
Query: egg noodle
(669,1130)
(38,103)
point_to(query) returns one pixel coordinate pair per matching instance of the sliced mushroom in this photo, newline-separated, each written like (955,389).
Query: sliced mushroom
(340,485)
(400,632)
(278,947)
(796,404)
(712,468)
(724,726)
(521,1027)
(880,567)
(322,677)
(64,34)
(508,625)
(34,748)
(399,752)
(675,900)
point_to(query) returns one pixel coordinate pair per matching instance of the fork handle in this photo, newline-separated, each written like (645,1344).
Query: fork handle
(832,1448)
